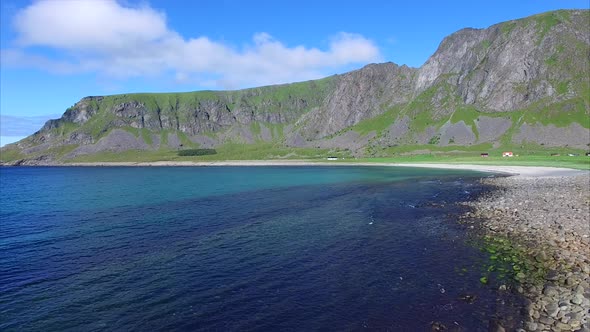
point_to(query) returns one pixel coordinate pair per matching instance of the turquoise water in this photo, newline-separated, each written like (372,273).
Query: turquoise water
(238,249)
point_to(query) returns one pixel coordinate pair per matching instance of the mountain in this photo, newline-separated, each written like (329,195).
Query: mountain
(518,84)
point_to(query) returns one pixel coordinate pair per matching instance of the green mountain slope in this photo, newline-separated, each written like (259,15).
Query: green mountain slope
(522,84)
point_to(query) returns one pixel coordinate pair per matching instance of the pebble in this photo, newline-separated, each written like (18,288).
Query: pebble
(576,308)
(550,291)
(546,320)
(549,217)
(552,275)
(552,310)
(578,299)
(532,326)
(571,281)
(561,326)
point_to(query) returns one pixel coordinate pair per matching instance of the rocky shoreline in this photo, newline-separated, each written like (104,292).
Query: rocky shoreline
(543,227)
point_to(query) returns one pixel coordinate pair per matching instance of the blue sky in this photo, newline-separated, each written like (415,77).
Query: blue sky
(58,51)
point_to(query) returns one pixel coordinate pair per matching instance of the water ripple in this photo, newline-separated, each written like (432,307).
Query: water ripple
(236,249)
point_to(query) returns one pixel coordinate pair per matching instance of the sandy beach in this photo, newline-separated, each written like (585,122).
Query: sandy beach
(518,171)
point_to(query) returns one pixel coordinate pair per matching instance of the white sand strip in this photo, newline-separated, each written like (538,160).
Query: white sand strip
(520,171)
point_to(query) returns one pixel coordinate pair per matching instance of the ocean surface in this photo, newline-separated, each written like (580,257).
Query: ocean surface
(239,249)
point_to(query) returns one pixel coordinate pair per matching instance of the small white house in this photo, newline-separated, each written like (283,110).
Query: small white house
(507,154)
(332,158)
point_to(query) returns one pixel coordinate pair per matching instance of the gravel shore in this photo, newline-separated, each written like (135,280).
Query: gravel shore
(548,220)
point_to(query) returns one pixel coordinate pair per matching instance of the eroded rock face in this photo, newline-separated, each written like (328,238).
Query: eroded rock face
(491,129)
(513,64)
(83,111)
(427,136)
(239,134)
(78,114)
(173,141)
(398,131)
(204,141)
(360,95)
(116,141)
(457,133)
(349,140)
(573,135)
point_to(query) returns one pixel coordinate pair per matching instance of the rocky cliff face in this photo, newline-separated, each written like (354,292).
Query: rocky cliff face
(360,95)
(522,82)
(511,65)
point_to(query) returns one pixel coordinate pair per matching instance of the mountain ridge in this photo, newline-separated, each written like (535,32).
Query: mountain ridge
(518,83)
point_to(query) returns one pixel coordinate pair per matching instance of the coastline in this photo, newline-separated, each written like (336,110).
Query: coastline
(539,227)
(517,171)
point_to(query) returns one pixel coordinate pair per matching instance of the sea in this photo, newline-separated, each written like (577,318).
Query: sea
(279,248)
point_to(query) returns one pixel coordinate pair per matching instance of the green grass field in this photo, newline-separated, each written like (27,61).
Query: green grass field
(230,151)
(268,151)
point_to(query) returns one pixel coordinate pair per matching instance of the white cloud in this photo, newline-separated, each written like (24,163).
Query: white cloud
(93,25)
(108,38)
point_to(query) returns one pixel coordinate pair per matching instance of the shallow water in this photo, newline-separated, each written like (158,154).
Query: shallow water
(238,248)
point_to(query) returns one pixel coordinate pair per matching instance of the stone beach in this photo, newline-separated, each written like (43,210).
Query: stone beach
(548,220)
